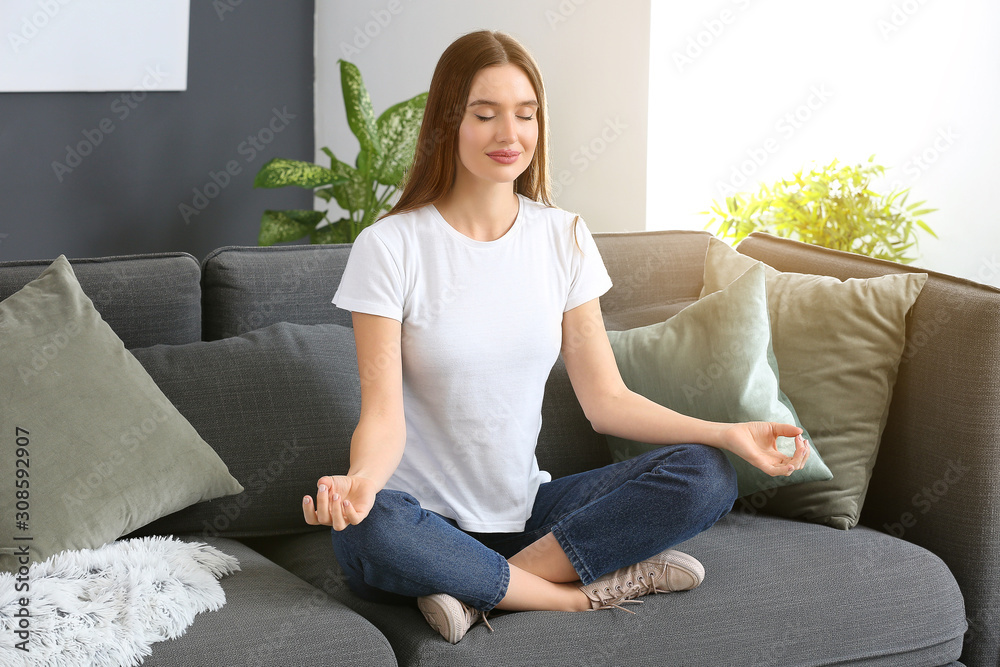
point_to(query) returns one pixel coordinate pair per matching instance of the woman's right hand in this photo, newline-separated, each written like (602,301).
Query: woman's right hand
(341,501)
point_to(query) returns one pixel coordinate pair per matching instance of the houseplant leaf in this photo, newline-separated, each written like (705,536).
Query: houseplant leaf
(353,192)
(360,115)
(398,127)
(365,190)
(343,172)
(284,226)
(279,172)
(831,206)
(923,226)
(335,232)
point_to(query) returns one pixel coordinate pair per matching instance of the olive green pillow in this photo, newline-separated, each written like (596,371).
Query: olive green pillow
(713,361)
(838,345)
(92,449)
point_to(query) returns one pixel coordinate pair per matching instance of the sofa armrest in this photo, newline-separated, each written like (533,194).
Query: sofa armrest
(936,481)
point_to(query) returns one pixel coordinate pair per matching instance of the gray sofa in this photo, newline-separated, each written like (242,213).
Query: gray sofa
(248,347)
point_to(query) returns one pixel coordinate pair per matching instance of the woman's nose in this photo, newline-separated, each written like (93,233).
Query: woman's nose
(507,130)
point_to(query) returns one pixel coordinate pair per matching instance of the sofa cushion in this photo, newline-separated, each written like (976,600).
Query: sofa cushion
(247,288)
(776,592)
(279,404)
(146,299)
(273,618)
(100,451)
(714,361)
(838,346)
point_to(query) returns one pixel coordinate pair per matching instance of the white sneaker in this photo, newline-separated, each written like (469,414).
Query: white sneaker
(451,617)
(663,573)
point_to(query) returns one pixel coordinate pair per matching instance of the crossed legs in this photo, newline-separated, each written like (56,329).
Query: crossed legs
(582,527)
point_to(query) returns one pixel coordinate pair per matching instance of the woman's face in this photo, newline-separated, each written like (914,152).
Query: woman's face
(499,130)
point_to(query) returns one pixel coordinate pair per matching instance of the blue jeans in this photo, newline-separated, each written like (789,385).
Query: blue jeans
(604,519)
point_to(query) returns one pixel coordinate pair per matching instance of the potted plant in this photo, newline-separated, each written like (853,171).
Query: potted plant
(831,206)
(364,190)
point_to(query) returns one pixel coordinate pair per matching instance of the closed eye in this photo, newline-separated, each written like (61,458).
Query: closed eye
(486,118)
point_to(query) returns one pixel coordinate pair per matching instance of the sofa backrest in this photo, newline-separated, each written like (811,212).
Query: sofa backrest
(147,299)
(170,299)
(248,288)
(655,274)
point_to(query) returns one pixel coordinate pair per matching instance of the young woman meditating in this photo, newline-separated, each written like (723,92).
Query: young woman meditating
(462,297)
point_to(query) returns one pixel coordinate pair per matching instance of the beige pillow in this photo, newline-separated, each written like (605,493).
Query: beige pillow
(92,447)
(838,346)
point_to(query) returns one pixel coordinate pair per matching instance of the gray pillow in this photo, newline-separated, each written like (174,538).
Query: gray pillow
(280,404)
(713,360)
(92,448)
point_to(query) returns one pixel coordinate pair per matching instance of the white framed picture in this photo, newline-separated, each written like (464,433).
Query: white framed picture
(93,45)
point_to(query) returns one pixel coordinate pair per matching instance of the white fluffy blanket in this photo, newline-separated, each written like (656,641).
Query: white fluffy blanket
(106,606)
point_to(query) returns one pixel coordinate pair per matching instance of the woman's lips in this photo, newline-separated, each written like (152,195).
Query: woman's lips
(505,157)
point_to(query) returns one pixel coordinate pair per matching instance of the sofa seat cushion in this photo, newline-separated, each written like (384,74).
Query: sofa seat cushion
(272,617)
(776,592)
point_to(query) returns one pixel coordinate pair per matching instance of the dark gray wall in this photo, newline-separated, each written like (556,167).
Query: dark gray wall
(249,99)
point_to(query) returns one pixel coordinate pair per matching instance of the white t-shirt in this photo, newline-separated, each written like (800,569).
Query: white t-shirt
(481,329)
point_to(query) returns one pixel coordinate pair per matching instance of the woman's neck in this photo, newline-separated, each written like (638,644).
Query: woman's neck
(483,212)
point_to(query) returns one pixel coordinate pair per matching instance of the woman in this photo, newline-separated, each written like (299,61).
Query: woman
(462,297)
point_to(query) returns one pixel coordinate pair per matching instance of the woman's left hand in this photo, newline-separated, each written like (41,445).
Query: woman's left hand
(756,443)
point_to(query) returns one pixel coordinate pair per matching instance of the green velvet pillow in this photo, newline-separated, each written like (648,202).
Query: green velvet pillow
(713,360)
(92,449)
(838,345)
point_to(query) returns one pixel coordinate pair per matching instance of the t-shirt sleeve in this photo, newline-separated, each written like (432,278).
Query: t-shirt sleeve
(372,281)
(590,277)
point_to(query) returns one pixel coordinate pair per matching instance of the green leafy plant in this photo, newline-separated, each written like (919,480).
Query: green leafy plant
(831,206)
(364,190)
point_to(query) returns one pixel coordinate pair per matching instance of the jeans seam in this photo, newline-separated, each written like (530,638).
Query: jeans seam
(504,584)
(574,558)
(504,579)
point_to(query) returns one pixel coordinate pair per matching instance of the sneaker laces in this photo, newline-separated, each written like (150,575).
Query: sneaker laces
(635,586)
(473,616)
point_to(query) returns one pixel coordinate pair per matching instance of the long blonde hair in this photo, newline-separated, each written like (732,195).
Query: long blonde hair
(434,164)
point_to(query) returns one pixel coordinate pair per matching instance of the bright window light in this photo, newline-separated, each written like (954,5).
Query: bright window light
(745,91)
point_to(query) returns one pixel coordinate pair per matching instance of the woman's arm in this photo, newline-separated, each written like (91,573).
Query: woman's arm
(377,445)
(614,409)
(379,438)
